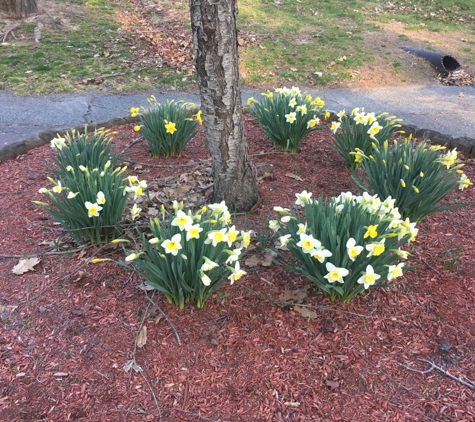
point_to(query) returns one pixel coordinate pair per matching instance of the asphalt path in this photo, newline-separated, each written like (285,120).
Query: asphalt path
(446,109)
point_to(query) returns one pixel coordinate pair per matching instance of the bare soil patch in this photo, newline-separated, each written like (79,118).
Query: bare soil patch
(68,327)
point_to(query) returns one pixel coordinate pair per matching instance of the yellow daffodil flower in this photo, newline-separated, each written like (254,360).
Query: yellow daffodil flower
(199,118)
(137,128)
(216,237)
(170,127)
(371,232)
(375,249)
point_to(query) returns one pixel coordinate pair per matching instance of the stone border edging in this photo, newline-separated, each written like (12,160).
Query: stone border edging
(9,152)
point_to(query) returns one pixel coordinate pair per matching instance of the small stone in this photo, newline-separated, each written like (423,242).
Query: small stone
(214,342)
(42,309)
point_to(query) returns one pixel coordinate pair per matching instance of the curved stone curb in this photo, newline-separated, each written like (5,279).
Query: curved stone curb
(465,145)
(12,151)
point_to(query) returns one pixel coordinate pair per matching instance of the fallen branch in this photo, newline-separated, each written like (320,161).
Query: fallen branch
(469,384)
(8,30)
(165,316)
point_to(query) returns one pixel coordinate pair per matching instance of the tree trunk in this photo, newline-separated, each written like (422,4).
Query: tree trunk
(18,8)
(213,23)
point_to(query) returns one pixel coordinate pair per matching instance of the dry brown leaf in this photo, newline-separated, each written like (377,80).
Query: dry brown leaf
(294,176)
(293,295)
(6,310)
(142,337)
(332,384)
(305,312)
(260,260)
(25,265)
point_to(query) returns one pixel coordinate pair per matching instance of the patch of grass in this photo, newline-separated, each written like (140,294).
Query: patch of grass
(434,15)
(67,58)
(308,42)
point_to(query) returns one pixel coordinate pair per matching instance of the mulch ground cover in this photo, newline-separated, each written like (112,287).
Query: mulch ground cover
(269,348)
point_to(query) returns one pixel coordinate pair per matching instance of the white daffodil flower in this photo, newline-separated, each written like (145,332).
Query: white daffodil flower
(274,225)
(308,243)
(321,254)
(92,209)
(234,255)
(246,238)
(135,211)
(303,198)
(353,249)
(216,237)
(369,277)
(395,271)
(193,232)
(335,274)
(208,265)
(100,199)
(232,235)
(236,273)
(183,221)
(58,143)
(172,245)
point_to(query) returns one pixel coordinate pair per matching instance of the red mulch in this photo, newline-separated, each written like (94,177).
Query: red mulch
(243,357)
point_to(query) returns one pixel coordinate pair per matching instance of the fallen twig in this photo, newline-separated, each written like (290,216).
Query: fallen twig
(140,138)
(469,383)
(33,255)
(165,316)
(432,268)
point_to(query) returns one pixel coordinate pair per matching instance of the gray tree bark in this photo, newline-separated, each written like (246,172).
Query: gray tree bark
(213,23)
(18,9)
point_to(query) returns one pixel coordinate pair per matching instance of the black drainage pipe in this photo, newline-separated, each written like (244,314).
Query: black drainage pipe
(444,63)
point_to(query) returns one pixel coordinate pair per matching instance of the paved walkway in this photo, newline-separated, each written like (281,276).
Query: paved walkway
(448,110)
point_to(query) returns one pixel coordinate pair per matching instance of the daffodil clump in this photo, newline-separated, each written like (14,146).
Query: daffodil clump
(354,134)
(286,116)
(418,177)
(190,254)
(89,201)
(345,245)
(168,127)
(87,149)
